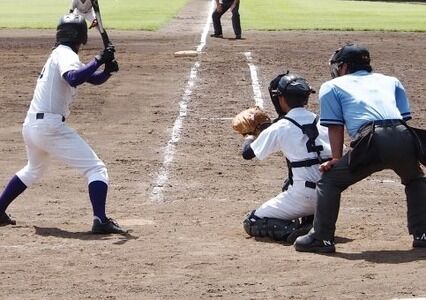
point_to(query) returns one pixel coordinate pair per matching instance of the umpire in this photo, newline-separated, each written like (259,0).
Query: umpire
(374,108)
(221,7)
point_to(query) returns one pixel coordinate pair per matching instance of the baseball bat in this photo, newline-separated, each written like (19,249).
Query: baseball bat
(105,38)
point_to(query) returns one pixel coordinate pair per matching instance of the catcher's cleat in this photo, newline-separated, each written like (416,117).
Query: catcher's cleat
(108,227)
(419,240)
(5,219)
(308,243)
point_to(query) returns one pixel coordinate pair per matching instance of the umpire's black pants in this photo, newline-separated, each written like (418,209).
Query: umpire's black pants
(235,18)
(394,148)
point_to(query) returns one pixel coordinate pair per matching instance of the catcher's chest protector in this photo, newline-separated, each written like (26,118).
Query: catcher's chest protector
(312,133)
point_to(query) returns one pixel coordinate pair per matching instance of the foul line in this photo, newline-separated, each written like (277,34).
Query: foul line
(254,81)
(169,151)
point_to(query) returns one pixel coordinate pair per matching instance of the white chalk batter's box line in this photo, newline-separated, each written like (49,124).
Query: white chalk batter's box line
(170,149)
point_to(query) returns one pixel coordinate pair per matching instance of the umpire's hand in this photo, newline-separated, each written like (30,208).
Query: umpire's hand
(326,166)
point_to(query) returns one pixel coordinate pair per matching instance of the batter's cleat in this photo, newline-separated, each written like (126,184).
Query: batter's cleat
(5,219)
(219,36)
(419,240)
(108,227)
(308,243)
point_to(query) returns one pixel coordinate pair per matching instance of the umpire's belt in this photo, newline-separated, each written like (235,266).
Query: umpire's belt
(40,116)
(387,123)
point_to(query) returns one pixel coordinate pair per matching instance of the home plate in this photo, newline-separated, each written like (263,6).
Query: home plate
(186,53)
(136,222)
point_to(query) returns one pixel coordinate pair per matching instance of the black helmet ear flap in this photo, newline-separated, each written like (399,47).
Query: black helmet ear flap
(273,85)
(274,92)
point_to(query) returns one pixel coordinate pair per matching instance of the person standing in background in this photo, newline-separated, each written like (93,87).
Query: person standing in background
(221,7)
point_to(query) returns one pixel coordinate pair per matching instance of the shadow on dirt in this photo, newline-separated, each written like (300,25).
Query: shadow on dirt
(83,235)
(340,240)
(385,256)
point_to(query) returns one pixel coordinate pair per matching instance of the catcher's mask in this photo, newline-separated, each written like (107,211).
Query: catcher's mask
(72,29)
(357,58)
(294,88)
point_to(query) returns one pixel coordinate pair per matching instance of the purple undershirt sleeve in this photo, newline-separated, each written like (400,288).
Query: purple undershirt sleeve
(83,74)
(99,77)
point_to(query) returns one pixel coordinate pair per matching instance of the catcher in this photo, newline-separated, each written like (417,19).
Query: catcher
(305,144)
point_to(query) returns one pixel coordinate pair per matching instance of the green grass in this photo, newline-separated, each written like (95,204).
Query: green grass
(332,15)
(116,14)
(255,14)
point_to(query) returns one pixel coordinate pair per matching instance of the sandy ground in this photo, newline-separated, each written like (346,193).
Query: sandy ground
(189,243)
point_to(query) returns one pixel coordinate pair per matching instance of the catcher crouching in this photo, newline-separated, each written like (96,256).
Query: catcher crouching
(297,134)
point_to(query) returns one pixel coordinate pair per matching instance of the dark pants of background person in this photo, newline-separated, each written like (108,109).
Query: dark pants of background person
(235,18)
(394,148)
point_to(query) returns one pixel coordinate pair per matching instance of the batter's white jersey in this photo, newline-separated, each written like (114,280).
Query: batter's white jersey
(45,131)
(284,136)
(52,93)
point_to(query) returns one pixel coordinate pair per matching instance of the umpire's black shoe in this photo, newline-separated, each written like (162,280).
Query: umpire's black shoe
(107,227)
(308,243)
(5,219)
(219,36)
(419,240)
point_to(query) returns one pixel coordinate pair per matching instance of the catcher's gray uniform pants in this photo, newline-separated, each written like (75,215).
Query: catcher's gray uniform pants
(393,148)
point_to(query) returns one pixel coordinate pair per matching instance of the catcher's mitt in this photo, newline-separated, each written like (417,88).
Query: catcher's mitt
(251,121)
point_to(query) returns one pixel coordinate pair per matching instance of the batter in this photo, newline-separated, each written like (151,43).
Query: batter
(46,134)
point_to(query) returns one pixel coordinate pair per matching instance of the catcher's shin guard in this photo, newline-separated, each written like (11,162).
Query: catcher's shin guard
(276,229)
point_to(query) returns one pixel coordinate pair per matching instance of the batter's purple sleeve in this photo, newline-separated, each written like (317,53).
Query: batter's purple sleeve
(99,77)
(81,75)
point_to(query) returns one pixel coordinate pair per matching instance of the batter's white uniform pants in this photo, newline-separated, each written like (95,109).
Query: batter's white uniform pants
(51,137)
(297,201)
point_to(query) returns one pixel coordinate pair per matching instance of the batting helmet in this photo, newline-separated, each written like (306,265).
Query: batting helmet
(294,88)
(72,28)
(357,57)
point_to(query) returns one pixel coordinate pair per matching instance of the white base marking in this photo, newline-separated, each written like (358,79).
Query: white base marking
(169,151)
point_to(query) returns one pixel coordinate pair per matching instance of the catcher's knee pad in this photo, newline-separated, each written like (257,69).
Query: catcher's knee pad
(276,229)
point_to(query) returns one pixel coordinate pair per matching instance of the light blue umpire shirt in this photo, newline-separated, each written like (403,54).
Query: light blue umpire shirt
(361,97)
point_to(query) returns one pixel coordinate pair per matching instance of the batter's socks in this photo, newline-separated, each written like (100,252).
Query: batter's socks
(98,193)
(14,188)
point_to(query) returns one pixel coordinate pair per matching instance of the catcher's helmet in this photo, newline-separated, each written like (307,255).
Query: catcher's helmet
(72,28)
(294,88)
(357,57)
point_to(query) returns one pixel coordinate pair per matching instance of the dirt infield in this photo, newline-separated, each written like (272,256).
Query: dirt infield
(190,244)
